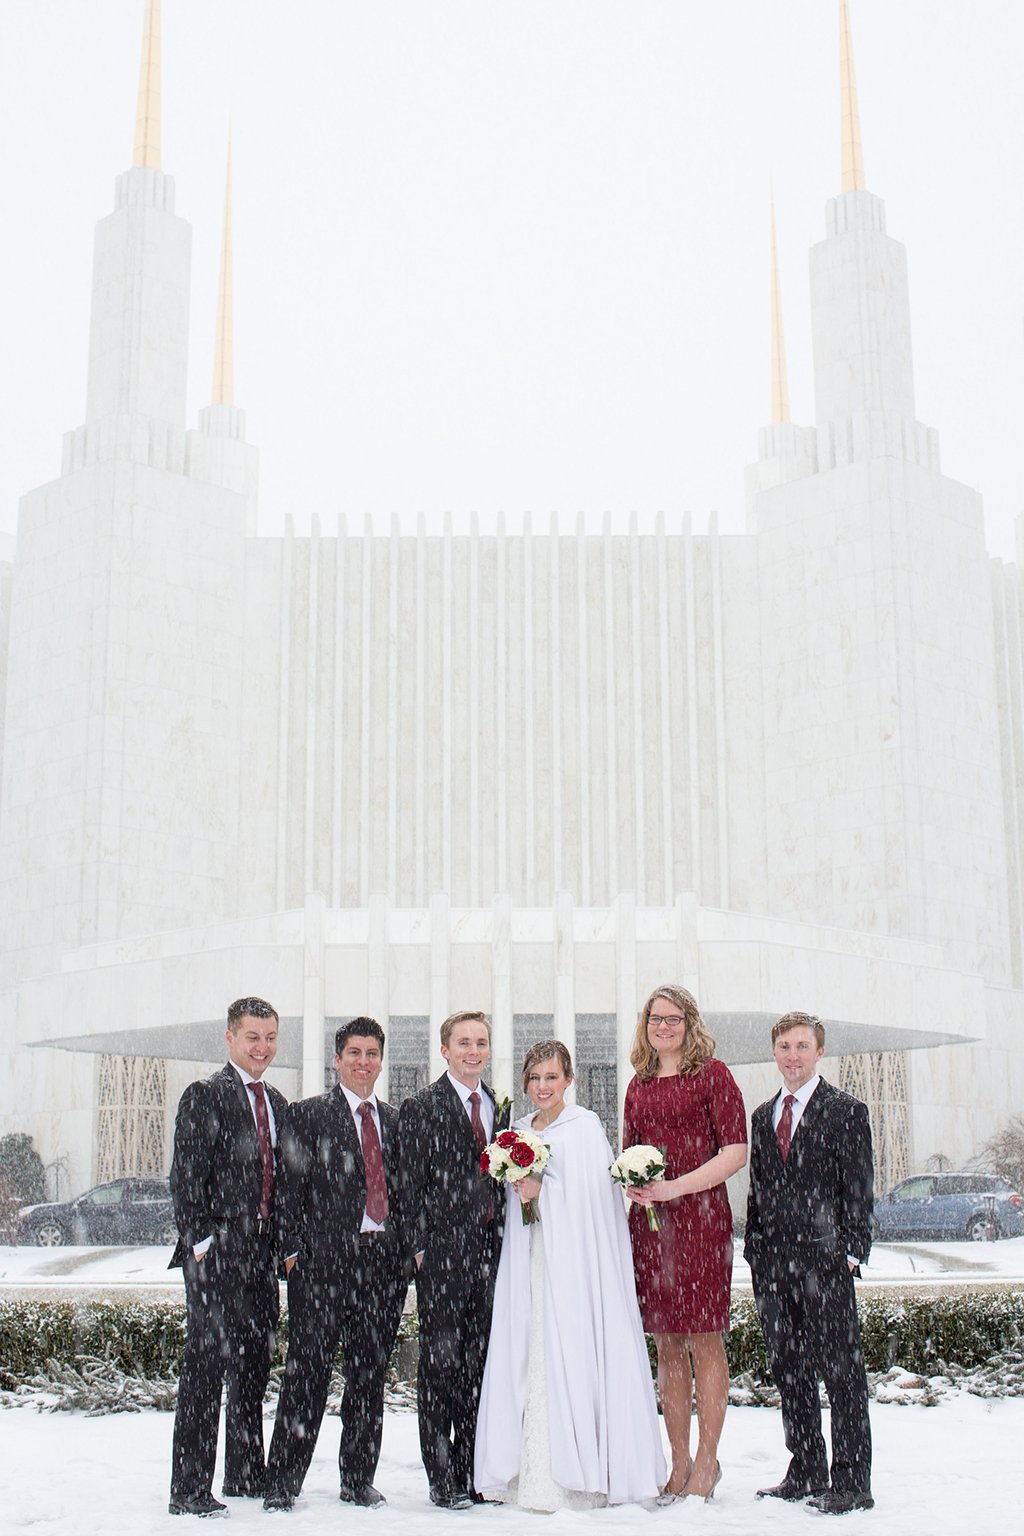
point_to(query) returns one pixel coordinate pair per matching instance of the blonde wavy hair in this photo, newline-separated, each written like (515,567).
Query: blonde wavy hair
(698,1047)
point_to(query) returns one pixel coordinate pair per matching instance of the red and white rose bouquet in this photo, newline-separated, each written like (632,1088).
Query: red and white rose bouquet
(515,1155)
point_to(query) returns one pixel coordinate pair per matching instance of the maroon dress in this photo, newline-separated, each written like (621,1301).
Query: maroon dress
(683,1272)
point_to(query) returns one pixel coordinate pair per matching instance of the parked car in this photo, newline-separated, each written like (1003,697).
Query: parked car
(950,1205)
(121,1211)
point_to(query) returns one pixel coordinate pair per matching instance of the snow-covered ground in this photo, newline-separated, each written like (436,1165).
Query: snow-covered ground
(78,1269)
(945,1469)
(942,1471)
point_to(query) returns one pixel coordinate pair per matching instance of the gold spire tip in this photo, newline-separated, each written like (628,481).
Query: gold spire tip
(780,378)
(147,114)
(224,344)
(849,112)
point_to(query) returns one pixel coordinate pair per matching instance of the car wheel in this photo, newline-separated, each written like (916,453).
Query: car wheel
(978,1230)
(166,1236)
(50,1234)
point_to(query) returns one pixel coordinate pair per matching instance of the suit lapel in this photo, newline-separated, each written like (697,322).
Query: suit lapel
(496,1123)
(457,1111)
(388,1137)
(239,1096)
(816,1106)
(343,1126)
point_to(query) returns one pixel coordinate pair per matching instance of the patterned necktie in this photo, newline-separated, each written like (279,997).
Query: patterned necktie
(373,1165)
(479,1134)
(259,1094)
(784,1129)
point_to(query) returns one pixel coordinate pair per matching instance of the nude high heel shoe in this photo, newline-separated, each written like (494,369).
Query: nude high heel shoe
(718,1478)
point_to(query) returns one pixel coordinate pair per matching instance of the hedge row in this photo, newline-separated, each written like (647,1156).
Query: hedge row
(146,1338)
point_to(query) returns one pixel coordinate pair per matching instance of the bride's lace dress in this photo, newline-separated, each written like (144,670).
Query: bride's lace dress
(535,1488)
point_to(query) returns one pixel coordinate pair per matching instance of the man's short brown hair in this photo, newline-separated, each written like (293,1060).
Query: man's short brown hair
(249,1007)
(800,1021)
(468,1017)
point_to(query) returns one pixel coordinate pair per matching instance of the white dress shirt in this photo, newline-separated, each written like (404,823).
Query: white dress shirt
(801,1095)
(354,1101)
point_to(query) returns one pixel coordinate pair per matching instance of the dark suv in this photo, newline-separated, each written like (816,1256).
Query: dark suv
(123,1211)
(951,1206)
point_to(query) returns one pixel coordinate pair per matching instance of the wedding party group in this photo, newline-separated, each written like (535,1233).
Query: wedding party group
(537,1282)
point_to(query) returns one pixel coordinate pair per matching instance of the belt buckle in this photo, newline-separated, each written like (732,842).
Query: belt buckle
(263,1226)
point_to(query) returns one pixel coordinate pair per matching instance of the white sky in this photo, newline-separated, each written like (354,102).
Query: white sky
(502,256)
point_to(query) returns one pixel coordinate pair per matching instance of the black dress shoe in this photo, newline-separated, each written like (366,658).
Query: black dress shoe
(836,1501)
(365,1494)
(202,1504)
(277,1499)
(449,1498)
(792,1489)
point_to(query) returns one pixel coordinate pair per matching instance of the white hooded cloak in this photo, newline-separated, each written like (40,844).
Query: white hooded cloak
(603,1420)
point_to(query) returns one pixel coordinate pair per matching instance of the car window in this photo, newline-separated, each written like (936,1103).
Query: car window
(967,1184)
(106,1194)
(147,1191)
(913,1189)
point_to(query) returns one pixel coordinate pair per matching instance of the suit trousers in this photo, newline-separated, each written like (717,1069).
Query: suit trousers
(355,1301)
(811,1329)
(455,1295)
(232,1309)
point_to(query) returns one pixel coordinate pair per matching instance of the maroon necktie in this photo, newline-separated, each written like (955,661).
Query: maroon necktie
(259,1094)
(784,1129)
(373,1164)
(479,1134)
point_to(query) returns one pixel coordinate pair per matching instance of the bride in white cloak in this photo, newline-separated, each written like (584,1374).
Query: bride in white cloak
(567,1410)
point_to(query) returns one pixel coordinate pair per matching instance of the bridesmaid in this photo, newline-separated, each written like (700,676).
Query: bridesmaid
(684,1100)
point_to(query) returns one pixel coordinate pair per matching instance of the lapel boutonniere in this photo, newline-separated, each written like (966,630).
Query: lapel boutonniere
(502,1110)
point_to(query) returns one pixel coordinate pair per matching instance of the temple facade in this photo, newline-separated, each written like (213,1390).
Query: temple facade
(364,772)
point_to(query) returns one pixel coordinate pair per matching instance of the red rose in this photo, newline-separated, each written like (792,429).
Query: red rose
(485,1163)
(507,1139)
(521,1154)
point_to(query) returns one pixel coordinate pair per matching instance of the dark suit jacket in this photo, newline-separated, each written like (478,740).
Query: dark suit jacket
(216,1171)
(444,1194)
(816,1206)
(321,1193)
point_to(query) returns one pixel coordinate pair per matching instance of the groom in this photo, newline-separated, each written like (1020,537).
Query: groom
(453,1225)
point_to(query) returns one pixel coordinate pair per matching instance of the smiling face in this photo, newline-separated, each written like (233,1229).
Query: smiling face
(468,1051)
(359,1065)
(546,1085)
(797,1054)
(666,1028)
(252,1044)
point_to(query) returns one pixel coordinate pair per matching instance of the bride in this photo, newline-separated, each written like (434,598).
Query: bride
(567,1410)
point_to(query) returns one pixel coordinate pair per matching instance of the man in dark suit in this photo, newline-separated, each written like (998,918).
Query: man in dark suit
(347,1271)
(453,1224)
(808,1230)
(222,1184)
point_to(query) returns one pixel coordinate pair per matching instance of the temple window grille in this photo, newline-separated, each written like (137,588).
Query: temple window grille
(131,1106)
(408,1055)
(597,1078)
(881,1079)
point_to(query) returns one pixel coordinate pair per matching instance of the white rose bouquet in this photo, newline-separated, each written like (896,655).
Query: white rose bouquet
(636,1167)
(515,1155)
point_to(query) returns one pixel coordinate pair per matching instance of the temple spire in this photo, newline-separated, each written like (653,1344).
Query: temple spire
(224,345)
(852,153)
(780,379)
(147,114)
